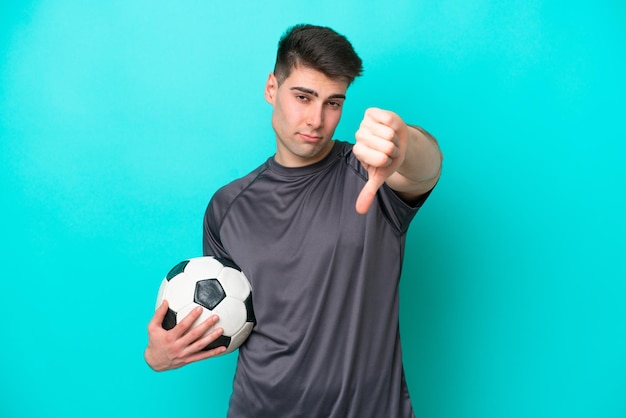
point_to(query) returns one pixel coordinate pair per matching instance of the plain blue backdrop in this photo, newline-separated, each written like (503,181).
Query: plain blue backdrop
(119,119)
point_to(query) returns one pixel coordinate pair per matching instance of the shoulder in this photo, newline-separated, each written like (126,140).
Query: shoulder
(224,196)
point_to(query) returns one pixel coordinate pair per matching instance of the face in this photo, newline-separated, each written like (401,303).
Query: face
(307,109)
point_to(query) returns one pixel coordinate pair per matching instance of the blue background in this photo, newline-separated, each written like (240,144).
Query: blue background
(119,119)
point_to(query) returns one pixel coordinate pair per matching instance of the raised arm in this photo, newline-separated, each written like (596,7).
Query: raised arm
(405,157)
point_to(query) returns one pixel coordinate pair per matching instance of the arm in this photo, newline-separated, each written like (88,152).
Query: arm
(421,167)
(405,157)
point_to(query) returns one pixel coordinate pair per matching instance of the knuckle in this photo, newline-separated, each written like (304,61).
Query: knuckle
(388,133)
(382,160)
(389,147)
(385,118)
(154,327)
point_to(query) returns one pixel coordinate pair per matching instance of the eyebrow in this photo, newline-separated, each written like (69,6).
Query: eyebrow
(314,93)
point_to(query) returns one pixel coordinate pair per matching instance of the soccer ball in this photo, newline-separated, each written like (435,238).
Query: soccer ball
(220,287)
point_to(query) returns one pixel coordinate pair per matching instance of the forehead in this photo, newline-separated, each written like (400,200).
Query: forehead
(317,81)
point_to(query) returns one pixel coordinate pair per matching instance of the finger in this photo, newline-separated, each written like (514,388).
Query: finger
(205,340)
(186,323)
(378,148)
(377,141)
(202,355)
(371,157)
(197,332)
(375,133)
(384,117)
(368,193)
(159,315)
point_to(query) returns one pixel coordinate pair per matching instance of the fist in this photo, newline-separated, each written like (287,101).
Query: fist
(381,143)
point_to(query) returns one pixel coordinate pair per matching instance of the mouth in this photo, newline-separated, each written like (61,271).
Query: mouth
(309,137)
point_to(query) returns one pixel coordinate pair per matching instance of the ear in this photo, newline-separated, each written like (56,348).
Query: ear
(271,89)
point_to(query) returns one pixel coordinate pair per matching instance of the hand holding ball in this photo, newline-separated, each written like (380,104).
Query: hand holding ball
(219,287)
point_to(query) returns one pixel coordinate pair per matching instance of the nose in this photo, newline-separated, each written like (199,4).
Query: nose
(315,116)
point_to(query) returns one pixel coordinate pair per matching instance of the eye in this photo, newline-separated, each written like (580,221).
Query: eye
(334,104)
(302,98)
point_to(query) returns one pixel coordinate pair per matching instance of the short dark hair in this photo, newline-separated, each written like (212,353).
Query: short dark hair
(319,48)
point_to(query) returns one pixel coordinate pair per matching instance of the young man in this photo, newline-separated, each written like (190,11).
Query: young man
(319,229)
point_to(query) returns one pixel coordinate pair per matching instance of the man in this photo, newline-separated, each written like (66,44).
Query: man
(319,229)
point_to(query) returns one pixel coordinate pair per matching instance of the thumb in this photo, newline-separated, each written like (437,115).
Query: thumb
(159,314)
(368,192)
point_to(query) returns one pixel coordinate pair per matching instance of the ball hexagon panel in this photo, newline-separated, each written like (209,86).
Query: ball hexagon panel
(242,334)
(180,295)
(233,285)
(186,310)
(232,315)
(201,266)
(228,263)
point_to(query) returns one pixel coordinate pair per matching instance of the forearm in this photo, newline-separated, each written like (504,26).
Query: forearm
(421,167)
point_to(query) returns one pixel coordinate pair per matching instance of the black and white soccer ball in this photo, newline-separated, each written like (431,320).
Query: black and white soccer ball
(220,287)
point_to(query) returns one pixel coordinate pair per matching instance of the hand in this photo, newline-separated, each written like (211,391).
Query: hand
(381,143)
(171,349)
